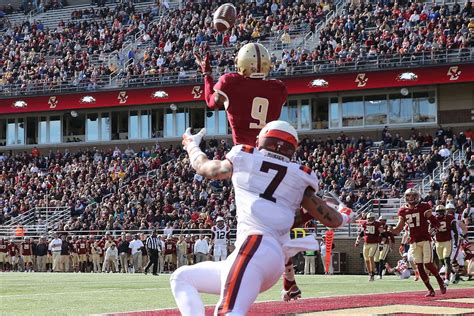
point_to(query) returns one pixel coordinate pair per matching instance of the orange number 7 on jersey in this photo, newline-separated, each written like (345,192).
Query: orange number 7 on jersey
(259,112)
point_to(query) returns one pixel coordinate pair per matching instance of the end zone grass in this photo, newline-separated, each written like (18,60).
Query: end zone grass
(85,294)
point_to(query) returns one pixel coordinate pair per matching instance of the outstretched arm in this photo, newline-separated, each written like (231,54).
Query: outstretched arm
(214,100)
(325,214)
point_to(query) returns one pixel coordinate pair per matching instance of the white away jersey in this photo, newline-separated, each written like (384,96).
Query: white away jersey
(220,235)
(268,191)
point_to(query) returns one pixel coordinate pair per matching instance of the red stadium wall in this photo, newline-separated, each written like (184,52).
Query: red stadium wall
(316,83)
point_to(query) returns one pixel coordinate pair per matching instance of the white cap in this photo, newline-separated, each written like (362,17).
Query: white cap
(220,219)
(450,206)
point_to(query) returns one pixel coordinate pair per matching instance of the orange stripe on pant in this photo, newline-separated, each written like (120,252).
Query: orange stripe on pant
(236,273)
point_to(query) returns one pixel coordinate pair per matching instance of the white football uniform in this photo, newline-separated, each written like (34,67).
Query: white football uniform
(457,254)
(268,191)
(219,239)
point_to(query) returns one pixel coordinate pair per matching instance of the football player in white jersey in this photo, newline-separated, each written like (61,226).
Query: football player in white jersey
(457,255)
(269,189)
(220,237)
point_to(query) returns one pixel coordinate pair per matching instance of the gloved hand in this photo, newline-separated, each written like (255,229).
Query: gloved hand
(347,213)
(190,141)
(191,145)
(204,63)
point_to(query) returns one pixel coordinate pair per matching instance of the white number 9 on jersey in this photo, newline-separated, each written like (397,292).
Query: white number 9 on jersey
(259,112)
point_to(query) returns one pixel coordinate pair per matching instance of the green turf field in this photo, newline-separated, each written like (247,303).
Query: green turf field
(81,294)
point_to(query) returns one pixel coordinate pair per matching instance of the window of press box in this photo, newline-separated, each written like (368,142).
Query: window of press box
(352,111)
(119,125)
(376,107)
(15,131)
(424,107)
(98,127)
(3,132)
(74,127)
(320,114)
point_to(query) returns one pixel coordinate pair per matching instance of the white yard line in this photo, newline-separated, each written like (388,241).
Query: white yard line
(109,289)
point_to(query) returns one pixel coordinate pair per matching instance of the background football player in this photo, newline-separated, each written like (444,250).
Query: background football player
(220,237)
(443,239)
(419,217)
(371,230)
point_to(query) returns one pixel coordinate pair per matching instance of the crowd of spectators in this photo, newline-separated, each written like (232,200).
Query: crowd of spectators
(364,32)
(74,52)
(388,32)
(114,190)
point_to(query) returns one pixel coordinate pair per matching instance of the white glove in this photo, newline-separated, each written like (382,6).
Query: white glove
(348,215)
(191,144)
(190,140)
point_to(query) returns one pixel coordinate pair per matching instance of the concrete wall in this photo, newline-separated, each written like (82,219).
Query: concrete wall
(354,260)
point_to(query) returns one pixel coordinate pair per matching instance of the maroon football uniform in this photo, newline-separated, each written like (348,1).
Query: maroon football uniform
(81,246)
(189,246)
(12,249)
(371,232)
(251,104)
(170,247)
(444,230)
(3,247)
(25,249)
(418,224)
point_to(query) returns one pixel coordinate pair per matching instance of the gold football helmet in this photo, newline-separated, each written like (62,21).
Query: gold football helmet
(253,61)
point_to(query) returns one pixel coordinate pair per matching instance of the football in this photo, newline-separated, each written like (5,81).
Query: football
(224,17)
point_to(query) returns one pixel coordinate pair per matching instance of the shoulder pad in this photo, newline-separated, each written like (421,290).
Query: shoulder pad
(247,149)
(306,169)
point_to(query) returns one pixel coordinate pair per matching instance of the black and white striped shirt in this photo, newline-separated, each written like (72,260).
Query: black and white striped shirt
(153,242)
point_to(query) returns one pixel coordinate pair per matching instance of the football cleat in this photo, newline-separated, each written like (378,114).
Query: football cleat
(293,293)
(430,294)
(443,289)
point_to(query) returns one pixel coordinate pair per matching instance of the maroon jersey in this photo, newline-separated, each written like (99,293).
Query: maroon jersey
(189,247)
(81,246)
(251,104)
(3,247)
(25,249)
(444,230)
(12,249)
(418,224)
(170,247)
(371,232)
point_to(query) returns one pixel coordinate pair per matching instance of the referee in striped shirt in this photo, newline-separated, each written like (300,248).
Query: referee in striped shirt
(153,246)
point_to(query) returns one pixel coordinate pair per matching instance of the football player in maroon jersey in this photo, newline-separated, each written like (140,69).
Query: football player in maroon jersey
(419,217)
(3,254)
(250,100)
(371,230)
(444,237)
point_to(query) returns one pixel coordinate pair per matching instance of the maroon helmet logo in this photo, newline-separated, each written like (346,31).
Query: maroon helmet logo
(53,102)
(361,80)
(122,97)
(454,73)
(196,92)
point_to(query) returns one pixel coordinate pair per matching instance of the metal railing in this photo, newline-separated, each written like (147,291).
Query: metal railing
(49,215)
(309,68)
(438,172)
